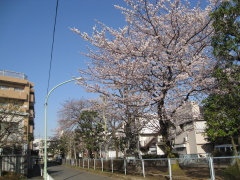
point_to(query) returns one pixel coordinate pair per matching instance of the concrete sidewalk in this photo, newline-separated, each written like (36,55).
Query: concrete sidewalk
(35,173)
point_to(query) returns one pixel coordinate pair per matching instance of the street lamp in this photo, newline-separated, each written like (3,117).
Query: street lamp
(45,125)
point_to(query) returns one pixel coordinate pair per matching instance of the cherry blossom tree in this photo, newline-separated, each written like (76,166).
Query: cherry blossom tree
(69,114)
(124,121)
(162,58)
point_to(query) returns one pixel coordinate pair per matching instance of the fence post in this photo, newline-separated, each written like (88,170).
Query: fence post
(102,163)
(170,169)
(125,167)
(211,166)
(83,163)
(112,164)
(0,165)
(143,168)
(16,164)
(94,163)
(88,163)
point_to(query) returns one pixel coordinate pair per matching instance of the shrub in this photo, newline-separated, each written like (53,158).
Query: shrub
(155,156)
(8,175)
(117,164)
(152,156)
(217,153)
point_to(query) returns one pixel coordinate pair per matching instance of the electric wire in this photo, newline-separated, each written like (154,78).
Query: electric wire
(51,58)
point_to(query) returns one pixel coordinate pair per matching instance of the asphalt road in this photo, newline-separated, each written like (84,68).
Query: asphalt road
(60,172)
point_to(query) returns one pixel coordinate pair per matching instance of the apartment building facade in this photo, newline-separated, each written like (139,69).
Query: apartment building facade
(15,86)
(190,138)
(52,148)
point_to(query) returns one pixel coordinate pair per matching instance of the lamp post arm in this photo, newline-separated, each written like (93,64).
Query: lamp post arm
(46,100)
(45,125)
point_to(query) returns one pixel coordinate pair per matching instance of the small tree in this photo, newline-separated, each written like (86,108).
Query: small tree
(63,144)
(54,147)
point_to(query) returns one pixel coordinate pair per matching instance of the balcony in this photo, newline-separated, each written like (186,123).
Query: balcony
(31,121)
(13,94)
(179,145)
(31,113)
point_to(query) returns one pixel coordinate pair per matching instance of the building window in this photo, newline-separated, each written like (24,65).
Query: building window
(9,126)
(13,127)
(3,104)
(4,87)
(182,127)
(19,89)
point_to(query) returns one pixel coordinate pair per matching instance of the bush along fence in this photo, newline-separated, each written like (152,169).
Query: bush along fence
(19,164)
(174,168)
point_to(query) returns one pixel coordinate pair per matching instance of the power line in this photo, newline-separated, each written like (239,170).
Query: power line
(54,28)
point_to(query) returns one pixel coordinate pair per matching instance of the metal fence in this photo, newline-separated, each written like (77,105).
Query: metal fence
(20,164)
(13,74)
(174,168)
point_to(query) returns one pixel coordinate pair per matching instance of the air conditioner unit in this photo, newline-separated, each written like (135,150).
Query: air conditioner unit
(185,139)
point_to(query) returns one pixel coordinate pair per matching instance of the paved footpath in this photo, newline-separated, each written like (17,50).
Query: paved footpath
(60,172)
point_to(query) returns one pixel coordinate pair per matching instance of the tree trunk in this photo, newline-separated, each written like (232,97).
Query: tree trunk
(164,127)
(74,151)
(235,151)
(117,151)
(165,124)
(70,149)
(106,150)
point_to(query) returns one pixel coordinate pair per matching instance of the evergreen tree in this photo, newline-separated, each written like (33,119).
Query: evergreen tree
(89,132)
(222,112)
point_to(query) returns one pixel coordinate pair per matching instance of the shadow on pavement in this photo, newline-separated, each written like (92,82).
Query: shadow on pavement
(35,173)
(50,164)
(73,176)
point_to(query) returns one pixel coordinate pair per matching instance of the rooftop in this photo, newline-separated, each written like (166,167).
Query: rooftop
(13,74)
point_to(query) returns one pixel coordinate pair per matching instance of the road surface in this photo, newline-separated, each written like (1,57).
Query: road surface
(60,172)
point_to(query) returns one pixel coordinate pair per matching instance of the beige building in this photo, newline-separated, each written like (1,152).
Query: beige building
(15,86)
(191,139)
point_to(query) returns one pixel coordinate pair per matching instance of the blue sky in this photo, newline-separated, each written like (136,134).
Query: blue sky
(26,29)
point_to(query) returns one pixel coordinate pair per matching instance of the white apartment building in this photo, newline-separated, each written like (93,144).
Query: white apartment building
(38,146)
